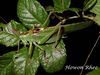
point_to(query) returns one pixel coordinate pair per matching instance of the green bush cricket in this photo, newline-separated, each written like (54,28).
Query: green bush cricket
(49,35)
(33,37)
(52,34)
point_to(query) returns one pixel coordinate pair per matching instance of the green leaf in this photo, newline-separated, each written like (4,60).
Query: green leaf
(9,35)
(96,10)
(56,59)
(30,12)
(49,8)
(9,54)
(94,72)
(6,63)
(97,19)
(21,65)
(76,10)
(61,5)
(88,4)
(8,39)
(6,66)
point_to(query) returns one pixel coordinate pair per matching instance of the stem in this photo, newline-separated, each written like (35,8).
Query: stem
(92,18)
(83,15)
(90,54)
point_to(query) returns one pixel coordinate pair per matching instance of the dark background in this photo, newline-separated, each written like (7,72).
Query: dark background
(78,44)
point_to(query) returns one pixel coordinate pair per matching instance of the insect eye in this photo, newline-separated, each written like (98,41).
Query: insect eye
(36,30)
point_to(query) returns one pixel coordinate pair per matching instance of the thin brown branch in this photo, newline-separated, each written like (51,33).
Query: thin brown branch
(89,54)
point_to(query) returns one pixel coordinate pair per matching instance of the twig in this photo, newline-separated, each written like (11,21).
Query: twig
(90,54)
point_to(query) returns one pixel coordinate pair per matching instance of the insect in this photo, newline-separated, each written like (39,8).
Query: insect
(39,36)
(50,34)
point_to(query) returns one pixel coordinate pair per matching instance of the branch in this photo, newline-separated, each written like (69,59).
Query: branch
(90,54)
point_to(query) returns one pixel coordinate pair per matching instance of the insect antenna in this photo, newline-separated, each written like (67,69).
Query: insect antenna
(3,19)
(10,28)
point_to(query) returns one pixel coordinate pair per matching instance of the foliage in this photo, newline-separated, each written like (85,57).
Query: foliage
(39,39)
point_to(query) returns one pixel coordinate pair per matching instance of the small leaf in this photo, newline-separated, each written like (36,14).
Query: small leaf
(9,35)
(96,10)
(97,19)
(56,59)
(49,8)
(6,66)
(61,5)
(30,12)
(21,65)
(76,10)
(88,4)
(94,72)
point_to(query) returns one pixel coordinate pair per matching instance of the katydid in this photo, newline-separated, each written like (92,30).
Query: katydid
(51,34)
(31,36)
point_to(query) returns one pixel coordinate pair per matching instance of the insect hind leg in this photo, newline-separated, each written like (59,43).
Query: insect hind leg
(54,47)
(42,50)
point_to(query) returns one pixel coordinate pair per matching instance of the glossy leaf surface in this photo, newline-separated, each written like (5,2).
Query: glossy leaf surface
(6,64)
(30,12)
(61,5)
(21,65)
(96,10)
(88,4)
(8,36)
(56,59)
